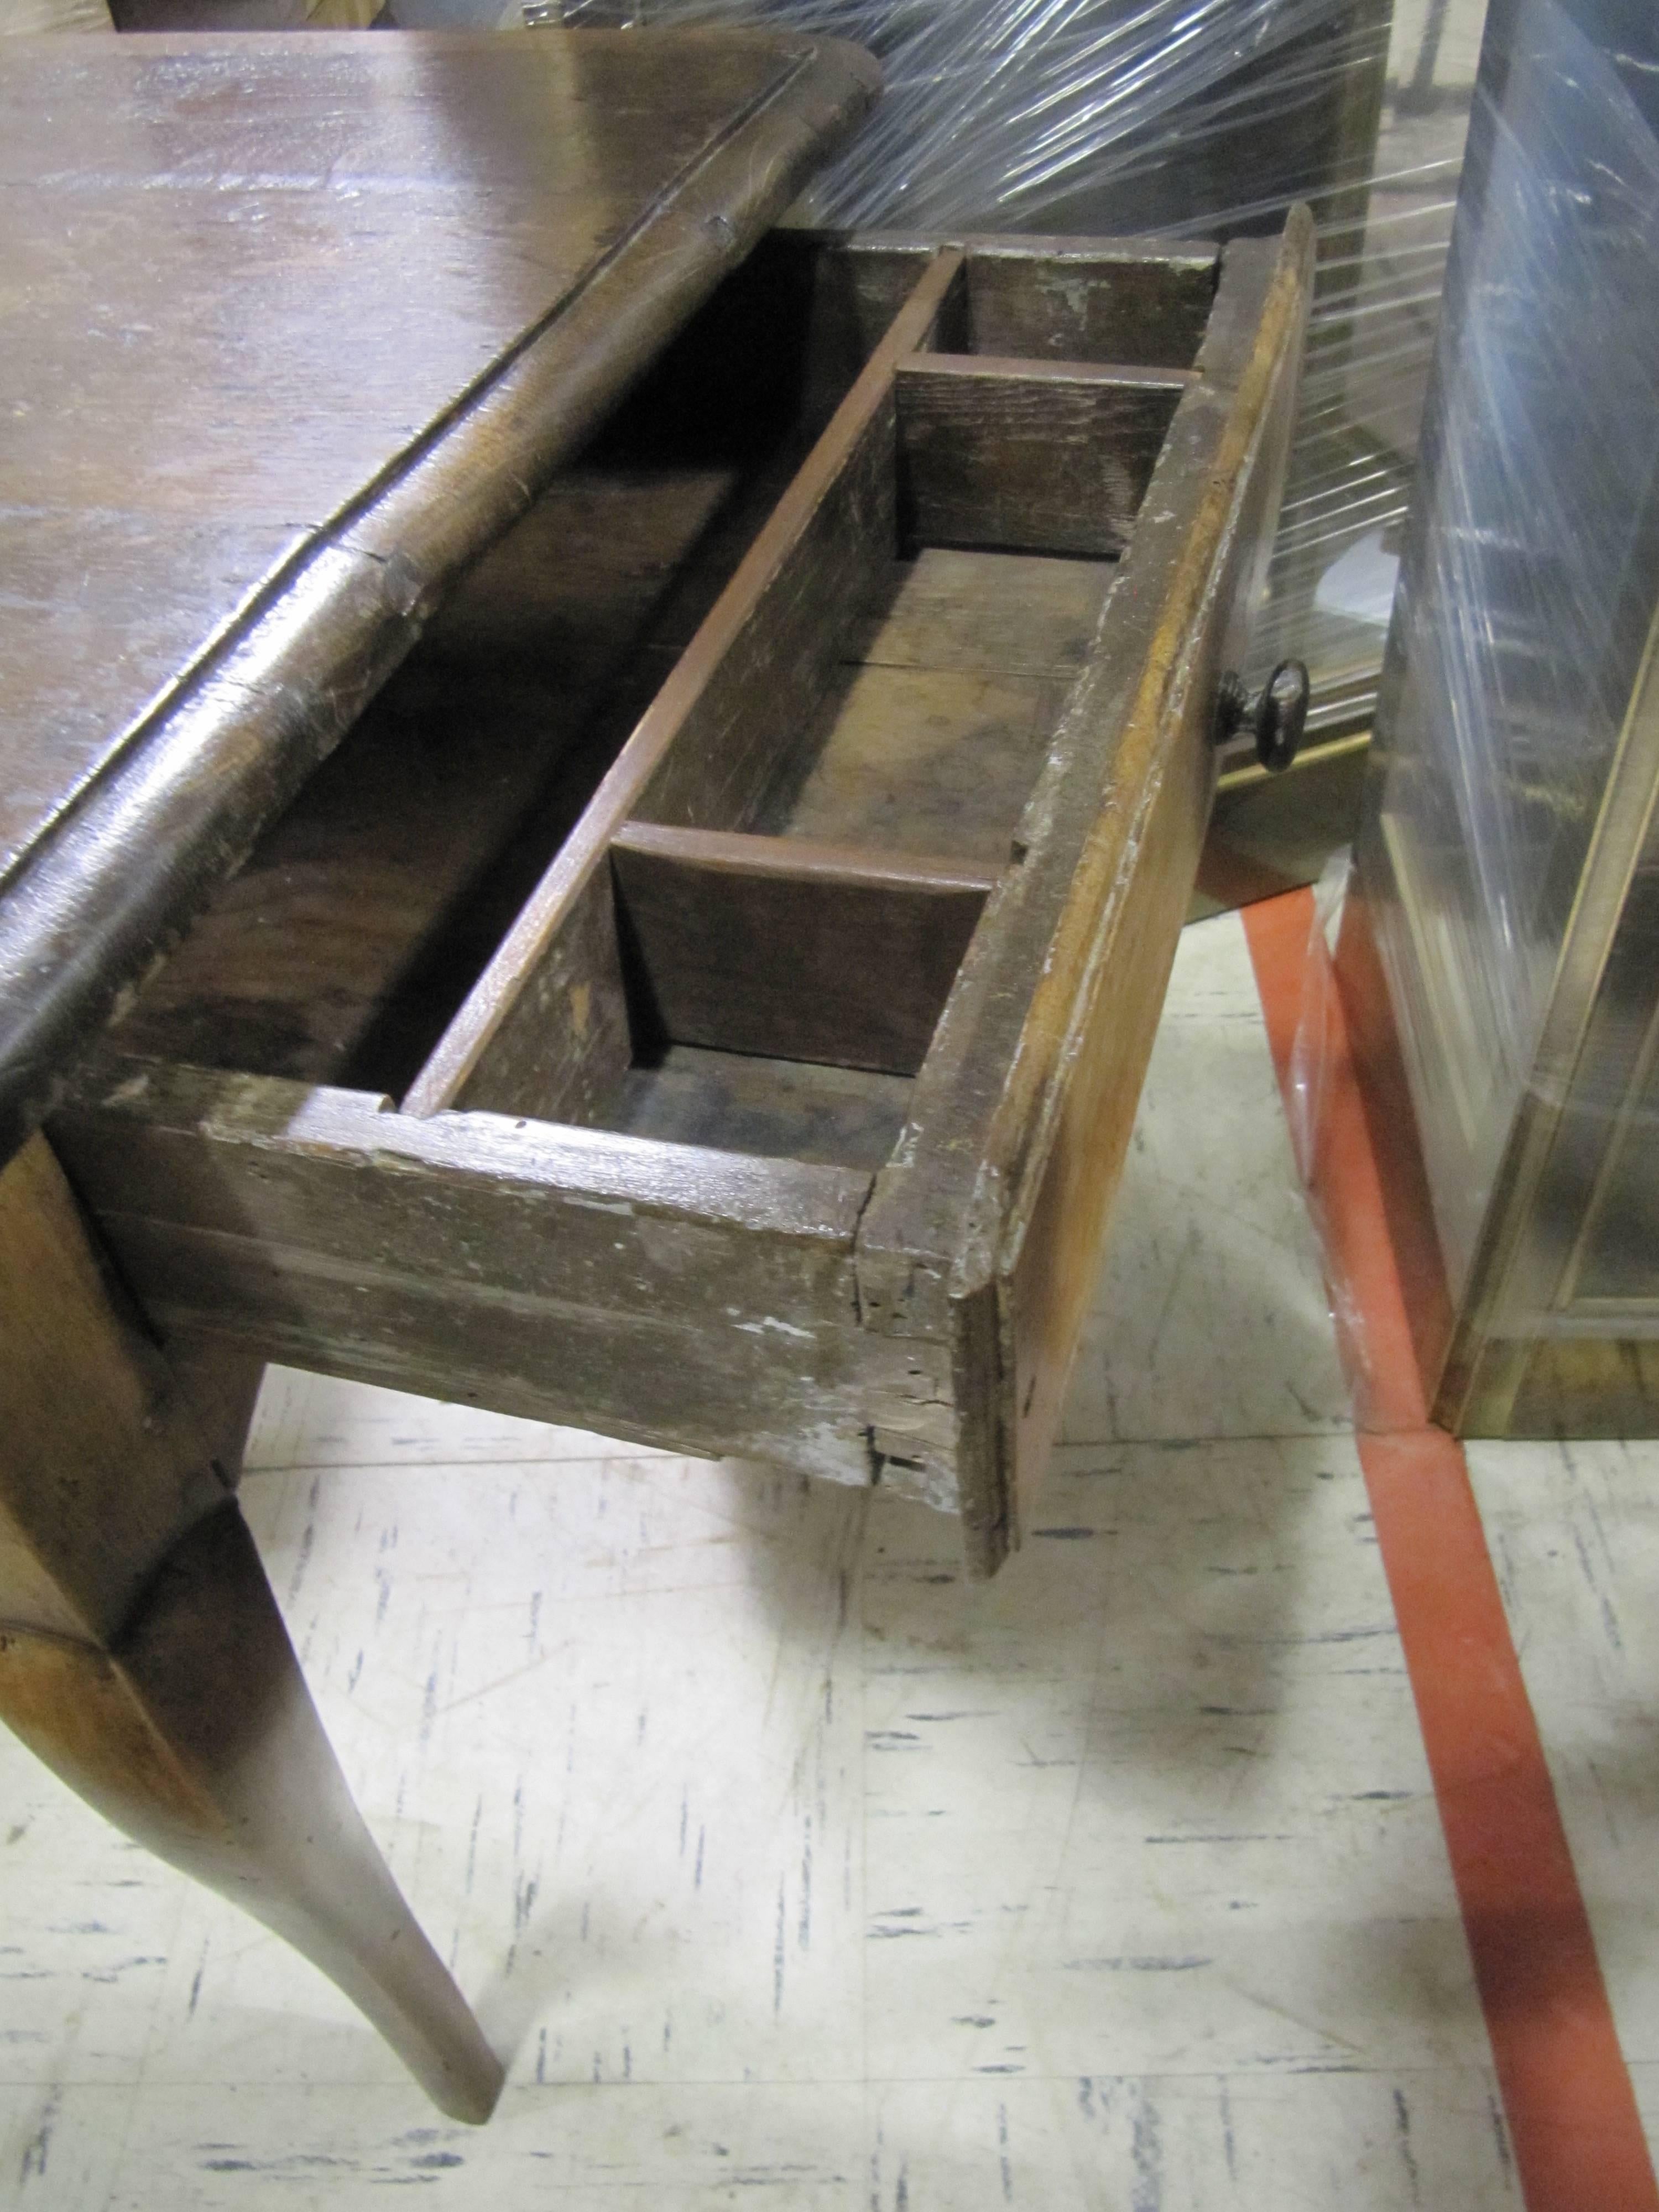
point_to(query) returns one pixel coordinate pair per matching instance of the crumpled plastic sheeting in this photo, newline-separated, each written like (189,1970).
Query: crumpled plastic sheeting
(1529,599)
(995,110)
(1200,117)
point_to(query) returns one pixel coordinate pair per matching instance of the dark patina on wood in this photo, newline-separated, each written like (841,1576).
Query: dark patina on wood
(704,997)
(783,1116)
(243,459)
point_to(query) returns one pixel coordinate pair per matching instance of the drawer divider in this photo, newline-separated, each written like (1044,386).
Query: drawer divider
(786,949)
(1029,456)
(762,655)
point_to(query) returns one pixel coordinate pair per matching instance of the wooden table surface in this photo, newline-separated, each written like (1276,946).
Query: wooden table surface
(292,328)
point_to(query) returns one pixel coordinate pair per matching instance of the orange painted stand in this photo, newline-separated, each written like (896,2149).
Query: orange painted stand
(1578,2140)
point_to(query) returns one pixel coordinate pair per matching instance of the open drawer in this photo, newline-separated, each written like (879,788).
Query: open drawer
(706,996)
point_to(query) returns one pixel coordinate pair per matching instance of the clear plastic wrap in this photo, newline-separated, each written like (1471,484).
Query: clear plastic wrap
(1529,589)
(1509,856)
(1205,118)
(998,110)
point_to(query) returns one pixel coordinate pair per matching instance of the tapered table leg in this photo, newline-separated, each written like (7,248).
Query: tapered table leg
(143,1656)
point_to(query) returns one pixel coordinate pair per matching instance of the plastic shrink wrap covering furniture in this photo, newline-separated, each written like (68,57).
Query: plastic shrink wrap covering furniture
(1203,118)
(1509,861)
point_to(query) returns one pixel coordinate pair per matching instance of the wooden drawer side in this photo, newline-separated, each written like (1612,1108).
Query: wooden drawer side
(700,753)
(1021,1117)
(1129,900)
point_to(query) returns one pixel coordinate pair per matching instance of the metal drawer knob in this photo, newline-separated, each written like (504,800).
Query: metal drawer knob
(1277,713)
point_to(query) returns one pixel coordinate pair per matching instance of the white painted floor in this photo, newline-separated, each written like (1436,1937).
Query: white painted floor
(792,1873)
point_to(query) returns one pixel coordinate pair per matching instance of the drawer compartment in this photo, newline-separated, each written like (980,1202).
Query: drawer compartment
(789,950)
(707,996)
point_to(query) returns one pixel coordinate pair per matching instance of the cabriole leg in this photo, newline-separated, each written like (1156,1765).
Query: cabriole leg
(143,1656)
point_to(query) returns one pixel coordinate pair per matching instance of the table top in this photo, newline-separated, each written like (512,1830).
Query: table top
(293,327)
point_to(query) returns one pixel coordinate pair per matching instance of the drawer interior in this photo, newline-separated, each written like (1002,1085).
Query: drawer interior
(680,819)
(344,946)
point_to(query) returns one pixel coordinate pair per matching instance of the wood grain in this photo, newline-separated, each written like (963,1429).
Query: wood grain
(1144,301)
(784,1109)
(343,947)
(790,950)
(582,1216)
(226,540)
(97,1481)
(1019,1116)
(641,1289)
(976,613)
(934,758)
(567,1041)
(222,1388)
(708,1263)
(195,1735)
(728,691)
(936,725)
(1045,458)
(1111,958)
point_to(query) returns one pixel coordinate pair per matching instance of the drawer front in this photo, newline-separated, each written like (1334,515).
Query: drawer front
(706,998)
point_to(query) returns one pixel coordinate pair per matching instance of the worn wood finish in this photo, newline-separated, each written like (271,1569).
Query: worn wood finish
(1019,1118)
(869,1275)
(1049,457)
(645,1289)
(576,585)
(983,614)
(1119,967)
(755,670)
(222,1388)
(786,1109)
(859,1273)
(195,1735)
(1142,301)
(567,1040)
(323,959)
(940,758)
(341,950)
(143,1656)
(101,1475)
(936,726)
(569,1212)
(781,343)
(1135,300)
(670,1378)
(317,391)
(786,950)
(760,653)
(222,543)
(731,707)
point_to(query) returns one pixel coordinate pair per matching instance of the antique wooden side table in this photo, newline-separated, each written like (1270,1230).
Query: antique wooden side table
(700,989)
